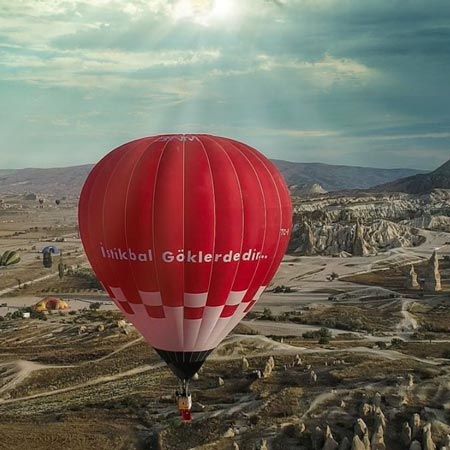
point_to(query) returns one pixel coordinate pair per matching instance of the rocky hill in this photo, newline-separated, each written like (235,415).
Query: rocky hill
(420,183)
(336,177)
(57,182)
(310,177)
(307,190)
(344,239)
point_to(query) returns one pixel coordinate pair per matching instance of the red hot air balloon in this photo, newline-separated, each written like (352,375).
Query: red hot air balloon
(185,232)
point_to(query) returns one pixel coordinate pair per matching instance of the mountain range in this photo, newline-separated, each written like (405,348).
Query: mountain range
(336,177)
(420,183)
(67,181)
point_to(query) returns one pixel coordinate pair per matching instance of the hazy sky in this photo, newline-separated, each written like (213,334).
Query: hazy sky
(360,82)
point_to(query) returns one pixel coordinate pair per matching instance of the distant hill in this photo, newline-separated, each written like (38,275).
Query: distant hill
(335,178)
(58,182)
(67,181)
(421,183)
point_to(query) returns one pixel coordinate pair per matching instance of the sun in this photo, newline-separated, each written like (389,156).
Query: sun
(203,12)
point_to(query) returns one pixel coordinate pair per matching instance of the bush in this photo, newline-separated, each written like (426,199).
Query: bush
(397,342)
(267,314)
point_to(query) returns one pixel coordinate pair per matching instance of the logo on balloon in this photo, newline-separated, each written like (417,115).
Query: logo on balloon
(181,138)
(181,256)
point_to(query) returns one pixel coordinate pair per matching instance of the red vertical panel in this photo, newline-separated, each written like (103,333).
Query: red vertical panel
(254,215)
(168,223)
(273,221)
(139,218)
(91,217)
(199,218)
(229,221)
(285,205)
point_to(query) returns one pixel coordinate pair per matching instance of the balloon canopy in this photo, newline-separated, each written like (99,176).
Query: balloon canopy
(185,232)
(51,249)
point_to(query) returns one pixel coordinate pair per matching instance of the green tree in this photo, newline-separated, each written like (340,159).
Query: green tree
(61,268)
(95,306)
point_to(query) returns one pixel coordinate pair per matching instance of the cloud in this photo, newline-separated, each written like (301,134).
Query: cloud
(325,71)
(102,69)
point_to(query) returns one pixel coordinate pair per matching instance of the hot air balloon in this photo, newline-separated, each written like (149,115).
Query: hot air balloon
(185,232)
(47,252)
(51,249)
(9,258)
(57,202)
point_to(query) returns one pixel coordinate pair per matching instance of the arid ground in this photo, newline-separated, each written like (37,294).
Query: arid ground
(348,339)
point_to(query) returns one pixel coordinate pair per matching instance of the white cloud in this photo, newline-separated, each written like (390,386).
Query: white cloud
(326,71)
(100,68)
(395,137)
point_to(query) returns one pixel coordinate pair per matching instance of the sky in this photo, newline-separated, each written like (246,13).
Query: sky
(355,82)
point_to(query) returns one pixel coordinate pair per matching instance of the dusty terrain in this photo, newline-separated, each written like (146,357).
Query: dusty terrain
(79,379)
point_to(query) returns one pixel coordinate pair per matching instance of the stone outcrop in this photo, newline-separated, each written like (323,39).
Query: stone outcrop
(356,239)
(378,439)
(415,445)
(366,441)
(416,426)
(307,242)
(360,428)
(395,207)
(433,276)
(317,438)
(406,434)
(357,443)
(345,444)
(330,443)
(360,247)
(245,364)
(427,439)
(411,279)
(267,372)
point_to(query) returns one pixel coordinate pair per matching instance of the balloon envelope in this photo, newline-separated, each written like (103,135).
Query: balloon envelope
(51,249)
(185,232)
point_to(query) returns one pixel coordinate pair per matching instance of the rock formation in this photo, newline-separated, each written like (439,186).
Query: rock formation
(357,444)
(330,443)
(411,279)
(338,237)
(345,444)
(377,400)
(262,445)
(433,277)
(416,426)
(380,419)
(245,364)
(415,445)
(317,438)
(360,247)
(360,428)
(267,369)
(427,439)
(446,442)
(307,241)
(406,434)
(378,439)
(366,441)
